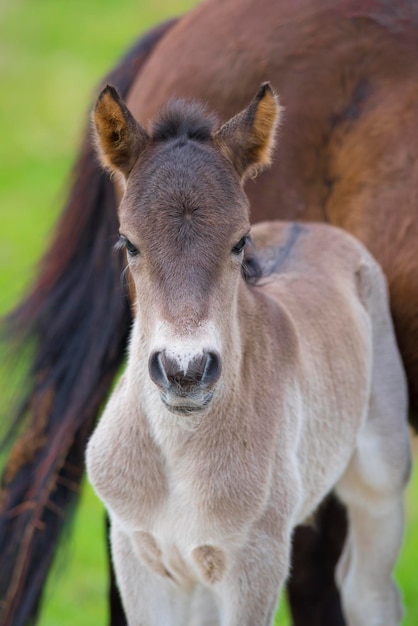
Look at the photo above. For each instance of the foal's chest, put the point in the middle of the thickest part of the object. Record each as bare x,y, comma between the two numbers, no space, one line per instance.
190,531
181,538
180,543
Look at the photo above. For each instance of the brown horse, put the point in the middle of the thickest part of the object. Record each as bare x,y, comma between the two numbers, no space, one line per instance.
346,72
244,402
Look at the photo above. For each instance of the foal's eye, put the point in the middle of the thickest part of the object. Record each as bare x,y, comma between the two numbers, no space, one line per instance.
124,242
239,247
132,250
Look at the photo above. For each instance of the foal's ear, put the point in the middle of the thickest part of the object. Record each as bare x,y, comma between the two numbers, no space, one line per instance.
119,137
247,139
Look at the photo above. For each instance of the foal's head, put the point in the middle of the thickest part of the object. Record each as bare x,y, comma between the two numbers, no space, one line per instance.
184,221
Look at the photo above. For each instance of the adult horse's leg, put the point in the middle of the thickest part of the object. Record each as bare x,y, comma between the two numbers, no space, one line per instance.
78,320
312,592
117,614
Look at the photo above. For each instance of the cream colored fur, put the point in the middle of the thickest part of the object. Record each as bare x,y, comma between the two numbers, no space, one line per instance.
311,398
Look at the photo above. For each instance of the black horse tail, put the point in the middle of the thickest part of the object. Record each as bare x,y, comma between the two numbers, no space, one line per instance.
76,319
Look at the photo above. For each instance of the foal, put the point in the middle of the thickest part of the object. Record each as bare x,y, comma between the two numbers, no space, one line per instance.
255,384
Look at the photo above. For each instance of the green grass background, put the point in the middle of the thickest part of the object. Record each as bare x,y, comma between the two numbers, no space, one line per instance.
52,54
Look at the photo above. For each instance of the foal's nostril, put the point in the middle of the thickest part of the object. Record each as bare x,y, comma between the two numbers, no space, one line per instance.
156,370
212,369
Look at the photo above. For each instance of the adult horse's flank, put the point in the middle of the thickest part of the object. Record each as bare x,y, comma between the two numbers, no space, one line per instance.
346,71
242,406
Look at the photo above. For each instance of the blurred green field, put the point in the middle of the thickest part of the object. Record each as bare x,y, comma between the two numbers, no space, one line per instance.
51,56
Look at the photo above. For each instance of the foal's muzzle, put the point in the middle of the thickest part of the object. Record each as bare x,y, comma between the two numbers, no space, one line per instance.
185,390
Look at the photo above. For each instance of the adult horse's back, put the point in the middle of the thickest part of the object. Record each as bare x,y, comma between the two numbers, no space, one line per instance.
346,73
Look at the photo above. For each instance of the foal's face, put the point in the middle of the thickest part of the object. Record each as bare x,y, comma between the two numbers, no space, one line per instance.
184,223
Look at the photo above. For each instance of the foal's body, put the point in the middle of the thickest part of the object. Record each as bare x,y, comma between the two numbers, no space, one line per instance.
242,405
313,398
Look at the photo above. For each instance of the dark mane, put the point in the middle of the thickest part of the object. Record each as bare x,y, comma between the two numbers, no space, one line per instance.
184,119
259,264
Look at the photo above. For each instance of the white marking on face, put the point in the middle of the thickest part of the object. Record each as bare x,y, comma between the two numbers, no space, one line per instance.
184,348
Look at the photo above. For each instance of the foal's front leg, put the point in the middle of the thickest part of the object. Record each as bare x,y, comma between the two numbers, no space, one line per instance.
250,591
148,599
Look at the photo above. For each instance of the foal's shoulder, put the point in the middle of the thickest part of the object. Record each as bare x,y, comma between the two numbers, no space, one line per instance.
321,255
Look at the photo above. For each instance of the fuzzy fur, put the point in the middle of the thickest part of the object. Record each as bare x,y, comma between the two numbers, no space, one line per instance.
311,398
